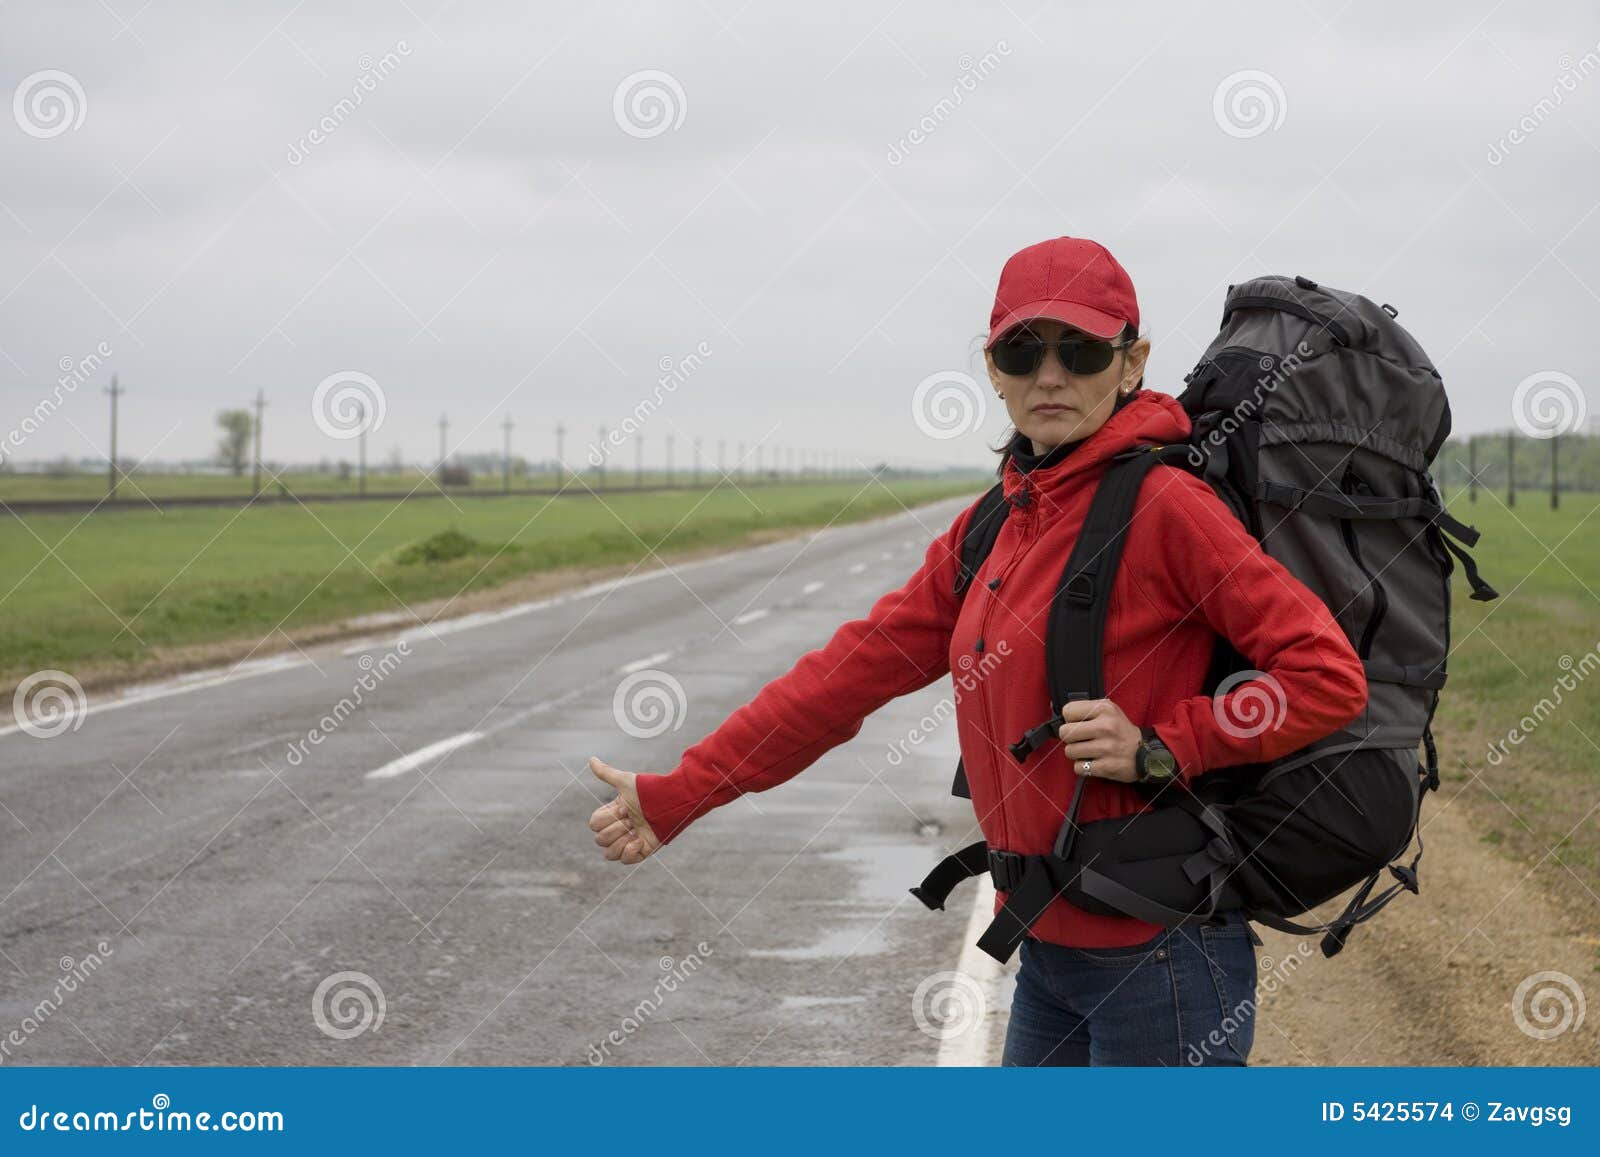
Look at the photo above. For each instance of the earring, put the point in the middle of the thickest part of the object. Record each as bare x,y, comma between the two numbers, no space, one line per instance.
1000,395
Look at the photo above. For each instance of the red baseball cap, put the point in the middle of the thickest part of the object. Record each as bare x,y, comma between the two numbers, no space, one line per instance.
1068,279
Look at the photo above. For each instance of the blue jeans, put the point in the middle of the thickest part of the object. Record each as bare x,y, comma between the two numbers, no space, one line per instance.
1185,997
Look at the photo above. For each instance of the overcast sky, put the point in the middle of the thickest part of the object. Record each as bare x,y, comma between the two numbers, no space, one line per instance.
499,227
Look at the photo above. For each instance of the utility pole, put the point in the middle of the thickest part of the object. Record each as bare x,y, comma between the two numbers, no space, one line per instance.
507,428
444,432
1511,467
255,482
722,457
739,465
116,392
638,460
1555,497
561,461
1472,468
697,461
600,470
361,468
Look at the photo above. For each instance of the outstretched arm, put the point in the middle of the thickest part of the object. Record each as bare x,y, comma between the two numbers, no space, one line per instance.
902,644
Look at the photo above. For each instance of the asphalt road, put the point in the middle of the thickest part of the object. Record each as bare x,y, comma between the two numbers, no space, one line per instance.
185,876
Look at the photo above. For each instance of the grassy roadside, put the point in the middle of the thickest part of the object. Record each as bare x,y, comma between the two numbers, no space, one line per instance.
1519,723
118,592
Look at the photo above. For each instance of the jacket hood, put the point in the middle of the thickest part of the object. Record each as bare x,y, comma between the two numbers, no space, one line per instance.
1148,417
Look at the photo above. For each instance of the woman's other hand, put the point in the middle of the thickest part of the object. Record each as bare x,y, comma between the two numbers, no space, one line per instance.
1096,730
619,826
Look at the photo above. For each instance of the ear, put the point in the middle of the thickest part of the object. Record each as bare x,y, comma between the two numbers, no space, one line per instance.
1133,363
995,379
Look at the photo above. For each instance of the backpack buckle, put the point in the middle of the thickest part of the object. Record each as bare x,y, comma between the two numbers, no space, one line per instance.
1079,589
1006,869
1407,877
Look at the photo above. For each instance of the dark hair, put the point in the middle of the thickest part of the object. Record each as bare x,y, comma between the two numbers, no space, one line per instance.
1014,438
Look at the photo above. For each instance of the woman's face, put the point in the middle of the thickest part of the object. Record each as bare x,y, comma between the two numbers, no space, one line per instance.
1050,405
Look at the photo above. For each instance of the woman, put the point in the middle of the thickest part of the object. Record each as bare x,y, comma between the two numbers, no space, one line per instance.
1063,353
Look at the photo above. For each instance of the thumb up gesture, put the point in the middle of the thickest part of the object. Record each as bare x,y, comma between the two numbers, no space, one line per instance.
619,826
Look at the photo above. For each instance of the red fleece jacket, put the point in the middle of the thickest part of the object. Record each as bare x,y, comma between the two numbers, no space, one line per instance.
1189,572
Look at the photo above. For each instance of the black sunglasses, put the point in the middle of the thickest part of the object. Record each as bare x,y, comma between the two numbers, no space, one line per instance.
1019,354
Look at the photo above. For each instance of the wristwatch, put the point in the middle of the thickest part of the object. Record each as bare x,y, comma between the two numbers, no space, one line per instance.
1154,763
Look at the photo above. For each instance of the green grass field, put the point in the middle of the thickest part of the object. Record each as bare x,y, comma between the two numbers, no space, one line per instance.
1506,670
137,486
110,590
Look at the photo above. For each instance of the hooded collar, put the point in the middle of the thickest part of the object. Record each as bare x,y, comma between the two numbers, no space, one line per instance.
1147,417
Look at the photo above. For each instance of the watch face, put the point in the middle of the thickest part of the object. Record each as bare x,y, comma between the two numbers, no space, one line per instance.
1159,763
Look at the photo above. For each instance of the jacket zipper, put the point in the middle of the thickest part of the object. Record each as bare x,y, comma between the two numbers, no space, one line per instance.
1027,508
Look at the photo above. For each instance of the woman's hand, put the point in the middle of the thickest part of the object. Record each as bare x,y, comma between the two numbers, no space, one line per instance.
1096,730
619,826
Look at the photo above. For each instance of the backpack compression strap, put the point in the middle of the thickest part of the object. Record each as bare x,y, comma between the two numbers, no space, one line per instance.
1074,650
976,544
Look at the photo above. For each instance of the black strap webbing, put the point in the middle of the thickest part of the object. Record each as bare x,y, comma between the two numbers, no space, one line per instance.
982,529
1075,630
935,889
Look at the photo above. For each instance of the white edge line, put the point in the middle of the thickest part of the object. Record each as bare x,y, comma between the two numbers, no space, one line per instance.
970,1049
420,756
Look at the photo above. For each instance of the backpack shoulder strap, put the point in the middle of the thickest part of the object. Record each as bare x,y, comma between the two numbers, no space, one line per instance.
1074,634
982,529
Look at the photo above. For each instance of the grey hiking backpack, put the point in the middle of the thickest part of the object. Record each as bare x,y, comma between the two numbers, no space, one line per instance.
1316,417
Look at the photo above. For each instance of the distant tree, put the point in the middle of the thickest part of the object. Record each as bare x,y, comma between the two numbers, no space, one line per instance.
397,461
233,450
